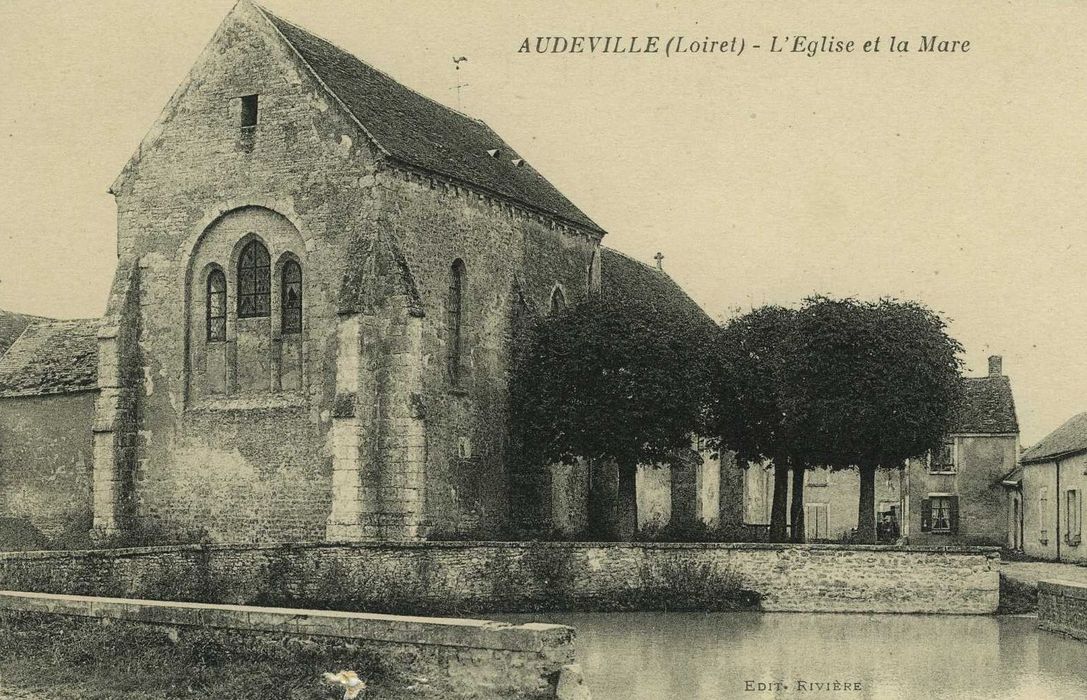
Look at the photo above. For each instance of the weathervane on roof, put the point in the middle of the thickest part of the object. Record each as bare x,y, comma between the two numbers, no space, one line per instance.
457,60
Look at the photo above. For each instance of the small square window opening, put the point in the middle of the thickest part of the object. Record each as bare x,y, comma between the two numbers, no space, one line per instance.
249,111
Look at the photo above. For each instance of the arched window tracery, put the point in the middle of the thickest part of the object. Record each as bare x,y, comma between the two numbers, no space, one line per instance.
216,306
291,298
558,301
254,281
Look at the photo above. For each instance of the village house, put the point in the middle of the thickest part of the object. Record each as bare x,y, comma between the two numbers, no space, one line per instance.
954,496
321,274
1045,518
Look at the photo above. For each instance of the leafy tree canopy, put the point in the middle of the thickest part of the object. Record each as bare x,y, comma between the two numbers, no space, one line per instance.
611,379
752,357
870,383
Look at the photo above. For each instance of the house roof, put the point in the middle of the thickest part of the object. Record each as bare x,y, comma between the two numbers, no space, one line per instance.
624,278
1069,439
988,407
51,357
419,131
11,326
1013,478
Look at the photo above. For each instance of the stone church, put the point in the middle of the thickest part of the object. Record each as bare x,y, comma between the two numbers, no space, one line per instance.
320,275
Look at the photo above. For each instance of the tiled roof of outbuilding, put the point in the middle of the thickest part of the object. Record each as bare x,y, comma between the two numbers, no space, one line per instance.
625,278
988,407
11,325
51,357
1070,438
421,132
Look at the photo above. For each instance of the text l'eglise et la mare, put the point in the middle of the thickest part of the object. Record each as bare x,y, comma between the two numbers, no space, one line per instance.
703,45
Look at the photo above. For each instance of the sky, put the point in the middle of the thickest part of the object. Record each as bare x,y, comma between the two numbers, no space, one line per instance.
954,179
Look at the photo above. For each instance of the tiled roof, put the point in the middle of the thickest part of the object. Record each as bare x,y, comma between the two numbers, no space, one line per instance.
988,407
625,278
51,357
1068,439
421,132
11,325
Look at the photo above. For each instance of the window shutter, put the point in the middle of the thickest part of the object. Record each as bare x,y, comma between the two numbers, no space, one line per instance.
953,507
926,515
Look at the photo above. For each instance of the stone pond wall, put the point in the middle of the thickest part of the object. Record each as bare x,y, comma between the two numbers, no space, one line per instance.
1062,607
463,658
451,578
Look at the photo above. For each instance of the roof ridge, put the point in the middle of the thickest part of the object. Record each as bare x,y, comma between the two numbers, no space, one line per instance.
1026,456
431,141
339,48
636,260
313,71
4,351
660,271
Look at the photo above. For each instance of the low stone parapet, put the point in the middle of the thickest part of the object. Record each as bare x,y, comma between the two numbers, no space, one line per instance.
1062,607
456,578
471,658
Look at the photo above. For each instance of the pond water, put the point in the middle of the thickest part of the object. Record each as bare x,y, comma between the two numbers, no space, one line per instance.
709,656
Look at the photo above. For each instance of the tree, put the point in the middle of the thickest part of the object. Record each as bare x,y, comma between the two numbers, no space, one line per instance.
753,354
870,384
613,382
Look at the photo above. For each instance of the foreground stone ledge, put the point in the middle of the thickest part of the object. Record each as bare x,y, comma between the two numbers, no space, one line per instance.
471,656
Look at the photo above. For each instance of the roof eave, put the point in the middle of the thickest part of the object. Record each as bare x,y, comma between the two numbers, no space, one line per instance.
1055,457
590,227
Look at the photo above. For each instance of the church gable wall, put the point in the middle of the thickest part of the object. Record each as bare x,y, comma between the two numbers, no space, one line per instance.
221,452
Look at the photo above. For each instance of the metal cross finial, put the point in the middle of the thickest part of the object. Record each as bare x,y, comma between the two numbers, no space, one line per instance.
659,257
457,60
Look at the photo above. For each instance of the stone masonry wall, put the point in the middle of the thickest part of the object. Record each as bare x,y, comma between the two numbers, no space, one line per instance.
451,578
218,455
1062,607
508,256
46,453
245,465
463,658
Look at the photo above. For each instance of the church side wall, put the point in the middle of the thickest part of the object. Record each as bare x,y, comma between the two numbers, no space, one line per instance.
45,462
503,250
252,464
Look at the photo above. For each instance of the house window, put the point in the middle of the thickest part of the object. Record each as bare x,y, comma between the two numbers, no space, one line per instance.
942,461
558,301
254,284
1073,517
818,477
249,112
940,513
1043,514
456,321
216,306
291,298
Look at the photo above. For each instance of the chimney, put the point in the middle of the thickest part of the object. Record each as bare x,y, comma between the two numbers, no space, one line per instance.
996,366
659,257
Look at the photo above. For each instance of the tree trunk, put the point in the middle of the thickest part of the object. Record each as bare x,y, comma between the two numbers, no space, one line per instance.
628,502
797,508
778,526
602,518
866,507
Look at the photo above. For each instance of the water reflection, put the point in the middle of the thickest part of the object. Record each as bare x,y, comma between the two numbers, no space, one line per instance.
630,656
